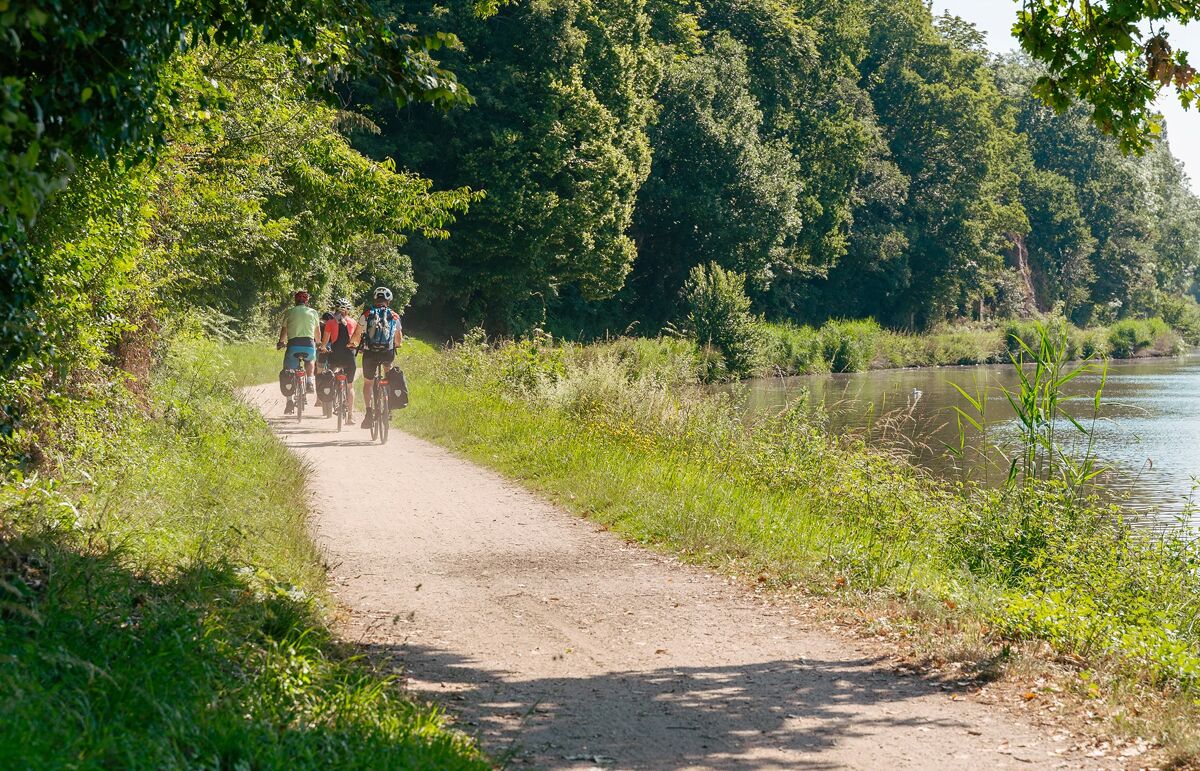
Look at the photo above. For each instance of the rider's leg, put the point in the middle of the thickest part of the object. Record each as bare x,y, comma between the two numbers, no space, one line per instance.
367,403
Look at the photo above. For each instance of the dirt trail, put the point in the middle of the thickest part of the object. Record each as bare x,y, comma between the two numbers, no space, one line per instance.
567,648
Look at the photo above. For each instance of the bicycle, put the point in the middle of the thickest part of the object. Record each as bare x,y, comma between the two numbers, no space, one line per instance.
381,411
301,397
339,404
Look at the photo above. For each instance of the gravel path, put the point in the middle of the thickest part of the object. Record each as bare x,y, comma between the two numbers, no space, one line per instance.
561,646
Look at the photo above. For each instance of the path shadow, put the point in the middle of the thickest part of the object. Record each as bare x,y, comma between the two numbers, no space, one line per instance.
767,715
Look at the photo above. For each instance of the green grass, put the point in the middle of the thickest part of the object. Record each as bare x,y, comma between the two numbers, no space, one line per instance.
162,606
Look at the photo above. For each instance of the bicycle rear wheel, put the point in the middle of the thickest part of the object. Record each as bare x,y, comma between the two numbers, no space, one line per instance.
379,428
301,398
339,404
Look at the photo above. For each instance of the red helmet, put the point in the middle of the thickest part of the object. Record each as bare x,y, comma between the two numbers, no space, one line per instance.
301,296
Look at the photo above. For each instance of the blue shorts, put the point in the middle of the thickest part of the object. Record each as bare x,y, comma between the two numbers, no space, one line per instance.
289,356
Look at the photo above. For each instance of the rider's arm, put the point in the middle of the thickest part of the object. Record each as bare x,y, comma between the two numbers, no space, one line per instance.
356,338
283,333
399,334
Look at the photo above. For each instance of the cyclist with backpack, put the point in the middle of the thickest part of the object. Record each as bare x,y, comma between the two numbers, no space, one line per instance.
337,334
378,334
299,334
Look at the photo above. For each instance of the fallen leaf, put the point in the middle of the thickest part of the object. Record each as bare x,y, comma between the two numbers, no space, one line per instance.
1029,696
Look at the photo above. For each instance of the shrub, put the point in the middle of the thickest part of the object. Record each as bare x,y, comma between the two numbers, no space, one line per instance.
1093,343
793,350
1183,315
1131,337
849,346
719,317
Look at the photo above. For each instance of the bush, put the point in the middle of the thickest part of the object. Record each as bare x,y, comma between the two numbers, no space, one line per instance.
849,346
719,318
1029,330
1134,337
1183,315
793,350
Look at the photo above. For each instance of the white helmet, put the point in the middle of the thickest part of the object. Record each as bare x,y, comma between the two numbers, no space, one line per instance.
382,291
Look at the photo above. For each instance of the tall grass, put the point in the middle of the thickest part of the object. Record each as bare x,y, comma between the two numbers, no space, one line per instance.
161,603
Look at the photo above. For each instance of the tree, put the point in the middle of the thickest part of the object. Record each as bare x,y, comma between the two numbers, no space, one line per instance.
1098,53
267,194
719,191
558,139
953,137
86,80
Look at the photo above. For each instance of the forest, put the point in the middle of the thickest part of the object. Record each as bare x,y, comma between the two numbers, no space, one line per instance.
566,165
849,159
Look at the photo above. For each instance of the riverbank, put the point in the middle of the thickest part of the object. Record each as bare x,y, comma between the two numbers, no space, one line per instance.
987,581
162,603
856,346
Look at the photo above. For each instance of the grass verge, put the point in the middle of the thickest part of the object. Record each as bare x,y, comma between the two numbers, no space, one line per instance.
161,602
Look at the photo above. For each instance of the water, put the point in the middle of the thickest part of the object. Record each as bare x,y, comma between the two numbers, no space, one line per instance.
1147,435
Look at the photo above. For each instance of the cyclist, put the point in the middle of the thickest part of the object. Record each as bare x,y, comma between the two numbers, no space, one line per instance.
336,335
378,334
299,334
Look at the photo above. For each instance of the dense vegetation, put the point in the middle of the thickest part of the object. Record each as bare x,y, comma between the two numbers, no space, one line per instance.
169,168
163,605
850,159
727,172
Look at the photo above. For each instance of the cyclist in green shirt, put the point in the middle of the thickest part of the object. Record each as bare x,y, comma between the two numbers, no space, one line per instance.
299,334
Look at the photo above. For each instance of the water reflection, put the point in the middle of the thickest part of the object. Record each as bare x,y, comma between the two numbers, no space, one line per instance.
1148,431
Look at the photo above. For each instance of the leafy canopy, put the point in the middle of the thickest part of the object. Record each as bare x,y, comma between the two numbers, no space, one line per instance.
1115,56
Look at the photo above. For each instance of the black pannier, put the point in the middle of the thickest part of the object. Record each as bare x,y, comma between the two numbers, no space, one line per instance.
325,384
287,382
397,389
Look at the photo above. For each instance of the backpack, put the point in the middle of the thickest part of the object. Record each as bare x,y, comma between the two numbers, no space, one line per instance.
381,329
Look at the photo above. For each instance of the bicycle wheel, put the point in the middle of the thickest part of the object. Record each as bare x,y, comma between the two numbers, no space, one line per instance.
339,404
381,413
301,398
374,419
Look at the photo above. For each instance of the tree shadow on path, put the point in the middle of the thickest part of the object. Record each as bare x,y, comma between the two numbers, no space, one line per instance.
769,715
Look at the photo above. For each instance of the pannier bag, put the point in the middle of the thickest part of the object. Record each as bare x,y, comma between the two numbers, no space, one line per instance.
325,384
397,389
287,382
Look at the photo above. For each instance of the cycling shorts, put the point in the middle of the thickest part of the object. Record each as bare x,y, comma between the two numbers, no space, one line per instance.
344,358
297,345
373,359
